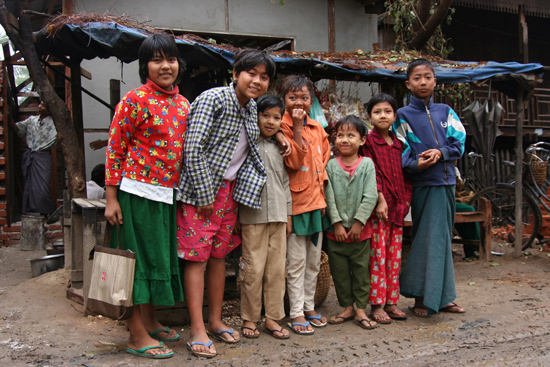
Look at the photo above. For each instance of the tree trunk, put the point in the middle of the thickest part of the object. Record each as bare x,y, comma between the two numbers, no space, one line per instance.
72,152
429,26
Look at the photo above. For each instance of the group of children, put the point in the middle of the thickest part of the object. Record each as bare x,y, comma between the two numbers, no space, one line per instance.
186,177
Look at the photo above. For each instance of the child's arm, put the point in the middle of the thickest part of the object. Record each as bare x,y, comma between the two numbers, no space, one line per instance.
332,211
199,125
298,151
370,194
286,185
382,207
288,225
409,160
456,138
112,208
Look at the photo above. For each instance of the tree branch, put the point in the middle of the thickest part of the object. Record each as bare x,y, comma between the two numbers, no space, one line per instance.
424,34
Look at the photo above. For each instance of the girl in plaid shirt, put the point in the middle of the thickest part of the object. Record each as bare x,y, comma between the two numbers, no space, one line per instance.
394,197
221,167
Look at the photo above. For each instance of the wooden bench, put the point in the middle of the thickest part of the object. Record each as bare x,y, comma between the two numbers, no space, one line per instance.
484,217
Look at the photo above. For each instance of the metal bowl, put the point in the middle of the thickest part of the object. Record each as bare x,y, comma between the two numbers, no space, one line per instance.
44,264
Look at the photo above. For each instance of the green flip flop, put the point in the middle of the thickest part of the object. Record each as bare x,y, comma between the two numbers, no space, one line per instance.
141,352
154,335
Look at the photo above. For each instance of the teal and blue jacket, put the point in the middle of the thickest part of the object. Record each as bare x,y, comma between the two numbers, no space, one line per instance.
435,126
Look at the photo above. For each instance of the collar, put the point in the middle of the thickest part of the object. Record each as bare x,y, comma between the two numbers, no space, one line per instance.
378,139
419,103
154,87
271,139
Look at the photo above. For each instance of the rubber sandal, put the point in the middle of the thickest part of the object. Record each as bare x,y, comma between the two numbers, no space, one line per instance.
337,319
200,354
273,331
451,305
141,352
306,324
253,336
396,316
154,335
360,323
413,310
318,317
218,336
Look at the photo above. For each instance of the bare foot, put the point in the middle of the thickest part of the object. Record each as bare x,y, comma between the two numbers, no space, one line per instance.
362,320
249,330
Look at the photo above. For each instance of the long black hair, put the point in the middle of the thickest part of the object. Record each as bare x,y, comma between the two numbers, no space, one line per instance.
158,43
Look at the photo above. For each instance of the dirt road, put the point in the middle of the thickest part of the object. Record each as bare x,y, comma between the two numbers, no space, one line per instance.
507,324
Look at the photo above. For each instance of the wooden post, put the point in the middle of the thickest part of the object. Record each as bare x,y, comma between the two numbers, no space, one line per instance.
331,33
114,92
518,243
76,103
331,27
523,35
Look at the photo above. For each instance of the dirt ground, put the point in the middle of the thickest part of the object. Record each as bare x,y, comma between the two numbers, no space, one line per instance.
507,323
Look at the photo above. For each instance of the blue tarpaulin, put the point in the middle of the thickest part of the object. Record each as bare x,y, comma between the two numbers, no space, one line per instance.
109,39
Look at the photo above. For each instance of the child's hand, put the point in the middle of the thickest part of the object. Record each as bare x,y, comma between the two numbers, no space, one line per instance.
283,143
298,116
355,231
206,210
428,158
113,213
340,232
288,226
382,210
424,164
237,229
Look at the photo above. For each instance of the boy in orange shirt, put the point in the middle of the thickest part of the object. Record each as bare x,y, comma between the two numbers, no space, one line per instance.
306,170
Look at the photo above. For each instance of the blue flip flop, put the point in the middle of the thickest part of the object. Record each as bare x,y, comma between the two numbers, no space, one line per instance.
154,335
318,317
218,336
306,324
200,354
141,352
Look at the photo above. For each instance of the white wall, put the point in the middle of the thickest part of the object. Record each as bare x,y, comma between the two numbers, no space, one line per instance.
306,21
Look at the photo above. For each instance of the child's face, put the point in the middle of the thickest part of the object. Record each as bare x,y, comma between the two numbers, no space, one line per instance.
421,82
251,84
382,116
348,140
163,71
298,99
269,121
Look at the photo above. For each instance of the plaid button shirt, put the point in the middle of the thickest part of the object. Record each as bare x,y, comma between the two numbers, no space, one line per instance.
213,129
390,179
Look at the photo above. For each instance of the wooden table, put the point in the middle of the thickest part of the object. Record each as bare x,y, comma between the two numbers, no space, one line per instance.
484,217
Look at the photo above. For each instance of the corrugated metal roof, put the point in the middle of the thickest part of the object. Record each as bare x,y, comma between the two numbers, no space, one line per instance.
536,8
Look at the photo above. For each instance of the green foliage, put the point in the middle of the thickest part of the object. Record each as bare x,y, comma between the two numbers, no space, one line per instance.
457,93
281,2
404,14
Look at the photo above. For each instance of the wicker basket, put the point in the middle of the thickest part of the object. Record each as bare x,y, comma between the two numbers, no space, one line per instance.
538,170
323,284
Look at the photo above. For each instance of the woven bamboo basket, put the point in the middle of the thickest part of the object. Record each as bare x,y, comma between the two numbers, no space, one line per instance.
539,170
323,284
